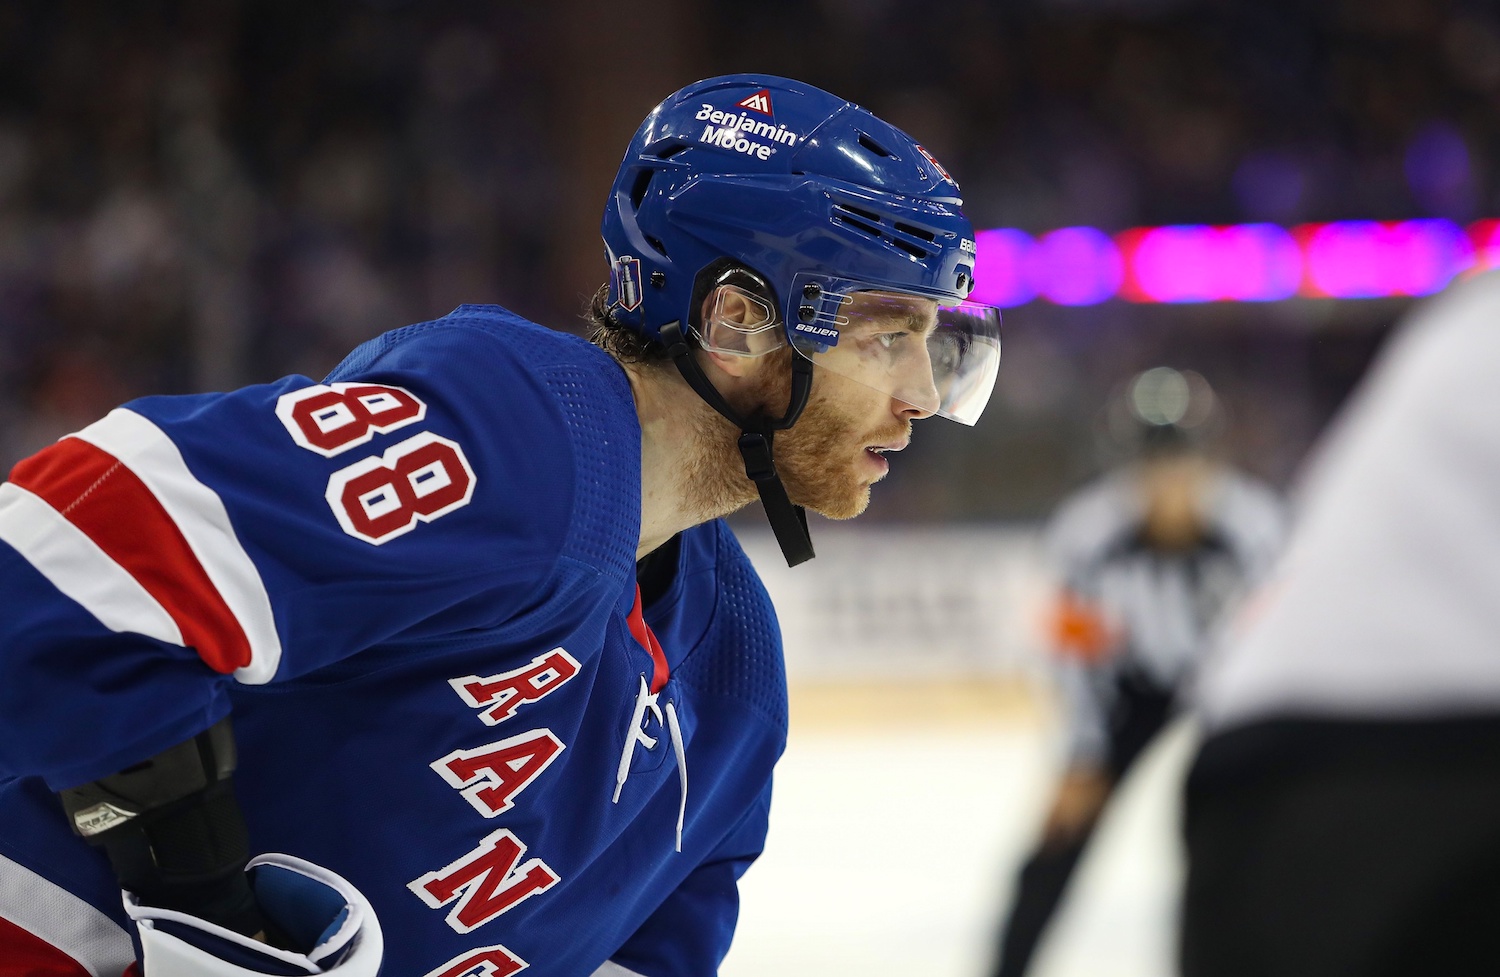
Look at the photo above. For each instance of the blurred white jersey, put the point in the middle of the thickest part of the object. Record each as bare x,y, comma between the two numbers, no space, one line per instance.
1387,602
1159,607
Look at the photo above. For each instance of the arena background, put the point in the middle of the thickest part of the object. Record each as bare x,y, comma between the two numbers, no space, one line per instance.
195,195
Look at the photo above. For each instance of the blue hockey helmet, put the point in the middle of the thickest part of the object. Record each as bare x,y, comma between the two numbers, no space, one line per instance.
822,201
852,236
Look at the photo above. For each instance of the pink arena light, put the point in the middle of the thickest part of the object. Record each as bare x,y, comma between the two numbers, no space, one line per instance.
1235,263
1366,259
1000,262
1485,236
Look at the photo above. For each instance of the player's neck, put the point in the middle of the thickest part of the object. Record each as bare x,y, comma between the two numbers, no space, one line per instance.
691,471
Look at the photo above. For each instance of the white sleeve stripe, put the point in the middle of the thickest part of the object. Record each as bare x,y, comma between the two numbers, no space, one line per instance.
55,915
76,566
200,515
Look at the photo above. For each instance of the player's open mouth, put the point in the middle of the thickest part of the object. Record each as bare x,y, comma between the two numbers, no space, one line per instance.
876,453
880,449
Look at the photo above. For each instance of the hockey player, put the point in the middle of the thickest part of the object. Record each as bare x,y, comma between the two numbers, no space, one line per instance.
1342,816
468,601
1147,559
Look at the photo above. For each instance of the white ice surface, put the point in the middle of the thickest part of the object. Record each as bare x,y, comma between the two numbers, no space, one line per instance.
893,851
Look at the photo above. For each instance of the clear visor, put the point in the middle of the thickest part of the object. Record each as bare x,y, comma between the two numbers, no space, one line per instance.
940,359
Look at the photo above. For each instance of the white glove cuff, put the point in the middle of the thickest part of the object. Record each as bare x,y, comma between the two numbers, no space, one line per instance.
175,944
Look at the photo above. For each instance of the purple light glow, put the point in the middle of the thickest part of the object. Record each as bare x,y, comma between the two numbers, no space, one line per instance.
1000,262
1439,171
1195,263
1238,263
1366,259
1075,266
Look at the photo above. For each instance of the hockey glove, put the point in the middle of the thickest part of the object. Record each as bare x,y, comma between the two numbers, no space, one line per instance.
329,923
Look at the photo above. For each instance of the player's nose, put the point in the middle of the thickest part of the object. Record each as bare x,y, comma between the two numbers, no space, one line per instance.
916,396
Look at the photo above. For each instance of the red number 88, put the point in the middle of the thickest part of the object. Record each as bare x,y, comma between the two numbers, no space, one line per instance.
379,498
331,419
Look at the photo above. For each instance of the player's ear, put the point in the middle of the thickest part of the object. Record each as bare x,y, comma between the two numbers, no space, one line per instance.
739,327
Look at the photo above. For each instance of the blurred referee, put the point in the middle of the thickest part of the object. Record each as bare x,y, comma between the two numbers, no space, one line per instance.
1343,813
1147,558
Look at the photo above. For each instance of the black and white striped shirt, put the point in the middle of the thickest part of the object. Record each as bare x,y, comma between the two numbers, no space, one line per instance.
1157,607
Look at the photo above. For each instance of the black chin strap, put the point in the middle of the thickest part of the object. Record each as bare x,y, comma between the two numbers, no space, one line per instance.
788,521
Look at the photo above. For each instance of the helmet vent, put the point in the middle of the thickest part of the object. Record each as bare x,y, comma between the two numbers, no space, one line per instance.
860,220
638,188
917,232
915,241
671,151
655,242
875,147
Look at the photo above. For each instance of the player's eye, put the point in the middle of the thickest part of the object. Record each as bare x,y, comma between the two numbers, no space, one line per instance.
947,350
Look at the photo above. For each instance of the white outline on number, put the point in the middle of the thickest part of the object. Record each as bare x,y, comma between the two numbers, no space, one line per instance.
340,479
287,403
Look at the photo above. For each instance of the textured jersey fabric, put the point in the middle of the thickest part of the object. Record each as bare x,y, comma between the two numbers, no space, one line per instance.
1159,607
413,587
1387,604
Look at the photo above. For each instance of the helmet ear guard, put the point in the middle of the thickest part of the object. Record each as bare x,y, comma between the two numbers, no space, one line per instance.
739,323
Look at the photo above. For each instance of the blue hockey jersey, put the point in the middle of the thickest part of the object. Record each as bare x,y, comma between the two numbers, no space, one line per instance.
413,586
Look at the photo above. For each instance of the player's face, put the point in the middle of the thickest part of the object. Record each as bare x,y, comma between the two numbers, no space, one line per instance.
883,343
833,454
1173,491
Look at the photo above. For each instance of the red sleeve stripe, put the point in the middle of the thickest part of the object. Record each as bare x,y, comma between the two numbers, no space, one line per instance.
47,931
98,495
76,566
199,514
172,534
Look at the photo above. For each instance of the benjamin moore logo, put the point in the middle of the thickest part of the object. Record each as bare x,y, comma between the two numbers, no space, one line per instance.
742,132
759,102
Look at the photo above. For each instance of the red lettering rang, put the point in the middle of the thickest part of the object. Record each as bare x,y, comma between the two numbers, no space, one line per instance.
489,961
487,882
491,776
508,691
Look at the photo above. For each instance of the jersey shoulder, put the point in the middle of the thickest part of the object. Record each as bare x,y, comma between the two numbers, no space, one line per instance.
549,405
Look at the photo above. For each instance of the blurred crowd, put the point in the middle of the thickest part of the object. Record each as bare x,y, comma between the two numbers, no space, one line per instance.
195,195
